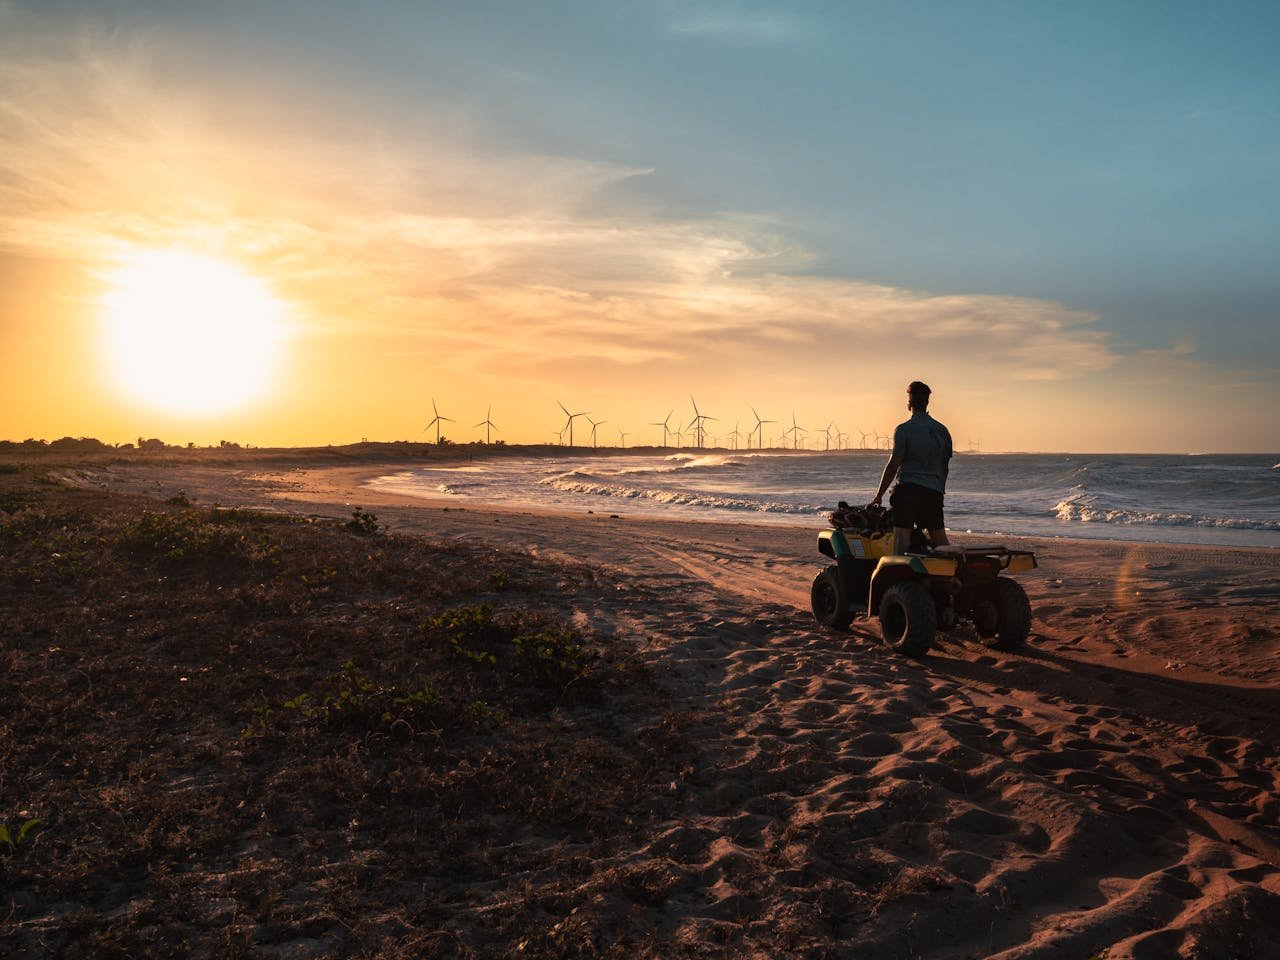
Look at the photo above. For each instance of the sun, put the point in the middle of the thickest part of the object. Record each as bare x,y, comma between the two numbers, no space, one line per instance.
189,333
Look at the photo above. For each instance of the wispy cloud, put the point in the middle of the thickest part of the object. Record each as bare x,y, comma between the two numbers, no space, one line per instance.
732,22
414,242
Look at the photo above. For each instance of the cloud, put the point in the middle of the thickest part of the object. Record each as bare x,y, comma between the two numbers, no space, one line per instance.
419,241
731,22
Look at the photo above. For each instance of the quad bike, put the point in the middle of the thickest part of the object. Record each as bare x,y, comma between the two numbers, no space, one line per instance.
917,593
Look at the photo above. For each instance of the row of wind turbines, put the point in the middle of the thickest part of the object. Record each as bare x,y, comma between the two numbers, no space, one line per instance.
833,437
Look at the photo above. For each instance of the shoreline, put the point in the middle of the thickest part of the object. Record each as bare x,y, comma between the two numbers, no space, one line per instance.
348,485
365,462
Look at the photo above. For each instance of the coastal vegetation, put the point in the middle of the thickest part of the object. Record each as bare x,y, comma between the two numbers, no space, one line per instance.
225,730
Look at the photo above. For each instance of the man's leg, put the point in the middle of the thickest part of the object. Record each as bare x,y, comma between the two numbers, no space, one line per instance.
901,539
938,537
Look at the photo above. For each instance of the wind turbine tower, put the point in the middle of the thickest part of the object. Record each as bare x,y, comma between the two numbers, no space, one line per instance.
594,425
736,434
795,431
436,421
488,424
698,429
569,422
663,425
759,429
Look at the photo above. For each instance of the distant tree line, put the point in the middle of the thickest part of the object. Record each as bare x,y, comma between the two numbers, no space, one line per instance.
90,445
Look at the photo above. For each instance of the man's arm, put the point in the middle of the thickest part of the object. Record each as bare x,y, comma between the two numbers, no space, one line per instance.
890,471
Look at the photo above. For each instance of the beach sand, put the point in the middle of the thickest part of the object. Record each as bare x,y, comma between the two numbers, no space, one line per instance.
1111,791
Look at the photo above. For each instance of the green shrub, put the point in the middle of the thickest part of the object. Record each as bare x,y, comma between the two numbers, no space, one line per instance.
189,539
13,841
177,539
354,701
362,521
471,632
552,656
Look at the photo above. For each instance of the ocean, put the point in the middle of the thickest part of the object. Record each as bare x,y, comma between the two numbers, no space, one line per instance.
1206,499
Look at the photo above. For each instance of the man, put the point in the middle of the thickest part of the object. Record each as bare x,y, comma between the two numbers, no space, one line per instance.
921,457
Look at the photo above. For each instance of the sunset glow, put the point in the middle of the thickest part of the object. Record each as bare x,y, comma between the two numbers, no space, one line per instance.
187,333
504,211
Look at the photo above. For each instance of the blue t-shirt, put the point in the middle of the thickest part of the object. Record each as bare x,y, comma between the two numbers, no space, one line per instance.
925,448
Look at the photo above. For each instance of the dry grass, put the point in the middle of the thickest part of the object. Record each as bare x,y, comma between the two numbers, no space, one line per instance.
244,735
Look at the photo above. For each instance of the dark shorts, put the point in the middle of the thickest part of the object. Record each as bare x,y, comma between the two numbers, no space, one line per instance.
914,505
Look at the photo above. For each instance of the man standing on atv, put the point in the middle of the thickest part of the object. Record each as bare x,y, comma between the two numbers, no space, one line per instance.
921,457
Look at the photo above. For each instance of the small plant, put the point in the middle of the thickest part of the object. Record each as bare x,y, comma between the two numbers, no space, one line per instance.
260,725
470,632
362,521
15,840
320,581
356,701
178,539
483,715
498,580
551,656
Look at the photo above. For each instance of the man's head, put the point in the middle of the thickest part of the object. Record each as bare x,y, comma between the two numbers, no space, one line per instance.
918,395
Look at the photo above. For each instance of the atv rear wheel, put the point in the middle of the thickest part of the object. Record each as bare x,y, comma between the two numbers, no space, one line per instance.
830,605
1013,614
908,618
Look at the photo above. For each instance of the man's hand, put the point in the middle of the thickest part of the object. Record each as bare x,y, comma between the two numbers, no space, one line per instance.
890,471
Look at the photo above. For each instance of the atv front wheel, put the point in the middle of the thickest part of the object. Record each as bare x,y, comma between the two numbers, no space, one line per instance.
908,618
830,605
1013,614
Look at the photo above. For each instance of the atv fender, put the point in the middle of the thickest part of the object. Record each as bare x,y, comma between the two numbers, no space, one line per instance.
898,567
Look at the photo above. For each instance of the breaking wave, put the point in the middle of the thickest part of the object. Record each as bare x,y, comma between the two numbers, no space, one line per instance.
1084,508
680,461
594,486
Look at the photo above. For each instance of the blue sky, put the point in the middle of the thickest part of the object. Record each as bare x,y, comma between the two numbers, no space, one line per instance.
1113,162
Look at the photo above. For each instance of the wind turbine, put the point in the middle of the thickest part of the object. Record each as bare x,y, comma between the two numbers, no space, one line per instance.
594,424
839,436
487,424
622,438
758,428
827,433
569,422
679,438
698,417
862,444
794,430
663,425
736,433
436,421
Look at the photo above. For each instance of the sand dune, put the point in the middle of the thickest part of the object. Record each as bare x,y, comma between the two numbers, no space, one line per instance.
1110,792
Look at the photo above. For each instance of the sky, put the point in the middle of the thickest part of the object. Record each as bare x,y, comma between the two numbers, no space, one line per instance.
1064,217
